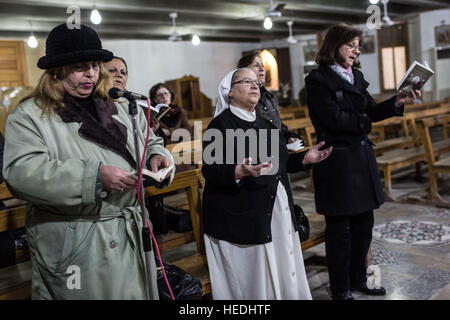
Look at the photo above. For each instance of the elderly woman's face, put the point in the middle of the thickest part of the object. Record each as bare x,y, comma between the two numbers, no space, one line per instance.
258,68
118,72
244,93
82,78
163,95
349,52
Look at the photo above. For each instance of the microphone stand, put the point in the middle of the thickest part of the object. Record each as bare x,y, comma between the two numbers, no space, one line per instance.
146,237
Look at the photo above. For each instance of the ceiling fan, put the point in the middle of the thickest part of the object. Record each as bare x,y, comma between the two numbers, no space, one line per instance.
291,38
274,11
386,20
174,36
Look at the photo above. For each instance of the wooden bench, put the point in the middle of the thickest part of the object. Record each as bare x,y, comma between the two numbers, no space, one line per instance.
204,121
435,166
15,281
390,127
299,112
404,141
396,159
302,126
287,116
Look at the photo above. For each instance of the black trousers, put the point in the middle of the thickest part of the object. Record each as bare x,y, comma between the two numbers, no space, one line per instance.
347,242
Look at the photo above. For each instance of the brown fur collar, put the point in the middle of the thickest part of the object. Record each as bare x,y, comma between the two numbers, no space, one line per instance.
106,131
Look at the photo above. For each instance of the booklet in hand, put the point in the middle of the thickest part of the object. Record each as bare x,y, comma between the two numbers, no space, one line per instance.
414,78
296,145
160,110
150,178
156,112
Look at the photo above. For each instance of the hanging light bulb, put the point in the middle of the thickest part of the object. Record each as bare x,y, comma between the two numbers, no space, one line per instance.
374,1
96,18
32,41
267,23
195,40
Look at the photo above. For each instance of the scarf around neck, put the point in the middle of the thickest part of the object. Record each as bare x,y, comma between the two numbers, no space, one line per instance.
346,74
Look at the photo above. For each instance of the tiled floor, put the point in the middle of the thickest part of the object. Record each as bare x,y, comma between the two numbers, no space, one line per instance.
413,257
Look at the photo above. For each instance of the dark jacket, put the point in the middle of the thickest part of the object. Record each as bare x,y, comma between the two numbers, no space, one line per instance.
268,108
348,182
242,212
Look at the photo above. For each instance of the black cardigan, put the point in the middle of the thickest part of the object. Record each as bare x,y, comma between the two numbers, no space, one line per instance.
242,212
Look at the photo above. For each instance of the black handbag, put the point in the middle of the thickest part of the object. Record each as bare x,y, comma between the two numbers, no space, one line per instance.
302,223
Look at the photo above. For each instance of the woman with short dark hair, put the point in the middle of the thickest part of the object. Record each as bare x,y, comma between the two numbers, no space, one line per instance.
347,184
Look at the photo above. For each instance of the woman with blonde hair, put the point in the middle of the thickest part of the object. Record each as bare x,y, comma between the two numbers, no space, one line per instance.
68,151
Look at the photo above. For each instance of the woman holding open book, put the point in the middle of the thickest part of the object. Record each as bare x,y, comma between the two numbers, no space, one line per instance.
68,151
175,118
347,185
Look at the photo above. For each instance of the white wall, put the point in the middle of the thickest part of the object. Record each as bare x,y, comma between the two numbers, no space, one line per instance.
441,81
369,64
150,62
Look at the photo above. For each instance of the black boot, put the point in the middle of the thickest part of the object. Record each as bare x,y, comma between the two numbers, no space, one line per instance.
364,289
345,295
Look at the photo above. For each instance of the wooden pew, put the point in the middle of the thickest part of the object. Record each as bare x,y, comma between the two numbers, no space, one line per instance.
299,112
205,122
422,106
404,141
287,116
400,158
435,166
303,126
390,127
15,281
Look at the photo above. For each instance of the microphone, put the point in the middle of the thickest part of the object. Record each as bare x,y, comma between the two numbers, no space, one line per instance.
116,93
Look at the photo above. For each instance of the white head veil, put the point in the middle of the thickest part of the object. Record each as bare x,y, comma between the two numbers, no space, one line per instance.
224,88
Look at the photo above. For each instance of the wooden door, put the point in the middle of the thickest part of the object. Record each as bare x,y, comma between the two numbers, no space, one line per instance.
13,71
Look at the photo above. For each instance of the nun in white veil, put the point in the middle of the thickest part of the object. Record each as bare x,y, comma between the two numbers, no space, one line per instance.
252,254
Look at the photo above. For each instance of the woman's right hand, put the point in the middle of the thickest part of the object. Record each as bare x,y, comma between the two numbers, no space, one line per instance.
115,178
247,169
154,124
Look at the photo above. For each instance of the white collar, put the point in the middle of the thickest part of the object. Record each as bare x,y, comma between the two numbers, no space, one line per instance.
243,114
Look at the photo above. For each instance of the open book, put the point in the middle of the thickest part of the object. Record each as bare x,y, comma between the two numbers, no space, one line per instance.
156,112
414,78
161,109
296,145
151,178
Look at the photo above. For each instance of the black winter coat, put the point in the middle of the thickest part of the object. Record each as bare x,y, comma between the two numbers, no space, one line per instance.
348,182
242,212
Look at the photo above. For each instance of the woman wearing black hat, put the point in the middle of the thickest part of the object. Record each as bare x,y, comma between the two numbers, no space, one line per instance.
68,150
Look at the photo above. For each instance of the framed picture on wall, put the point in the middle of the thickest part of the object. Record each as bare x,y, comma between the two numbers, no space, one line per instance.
309,51
368,44
442,35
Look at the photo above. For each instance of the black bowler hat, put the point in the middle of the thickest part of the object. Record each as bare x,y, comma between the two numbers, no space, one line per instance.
67,46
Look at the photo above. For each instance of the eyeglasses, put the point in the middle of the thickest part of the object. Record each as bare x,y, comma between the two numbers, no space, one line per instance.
258,65
248,82
353,47
162,94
